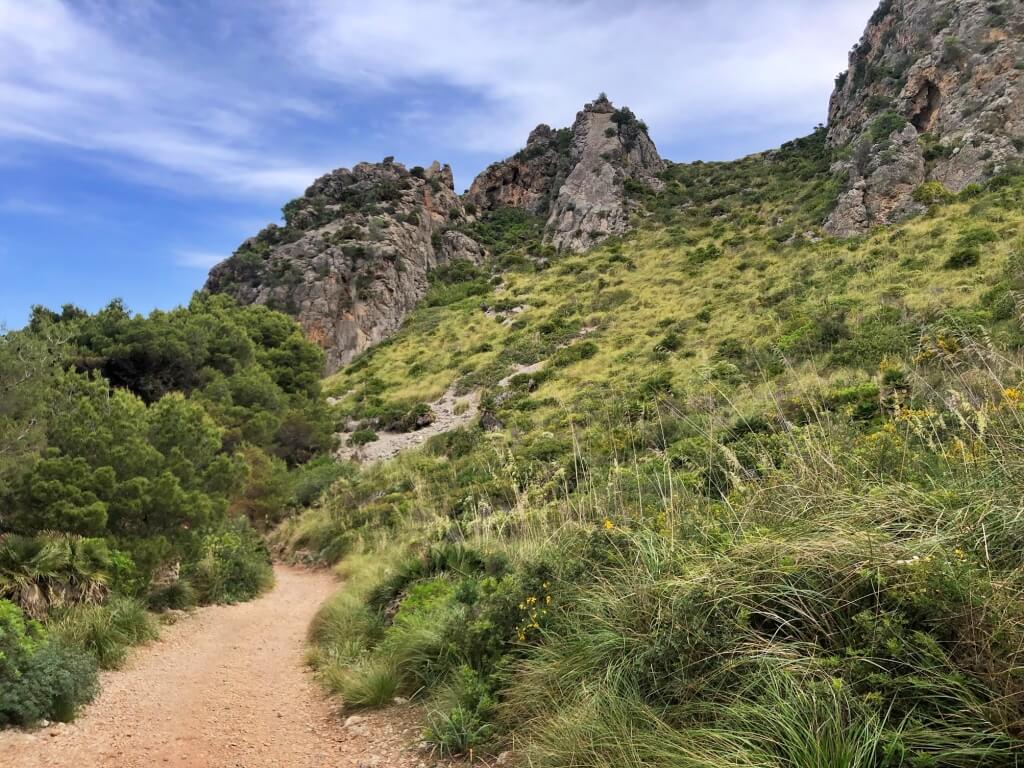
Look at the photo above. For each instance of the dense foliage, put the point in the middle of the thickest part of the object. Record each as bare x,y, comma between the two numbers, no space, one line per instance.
744,495
138,456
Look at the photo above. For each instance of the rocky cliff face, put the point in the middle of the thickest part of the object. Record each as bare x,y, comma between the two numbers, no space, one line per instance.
934,92
352,259
529,178
577,178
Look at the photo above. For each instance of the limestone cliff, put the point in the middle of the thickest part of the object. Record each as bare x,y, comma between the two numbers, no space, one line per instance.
934,92
576,178
352,259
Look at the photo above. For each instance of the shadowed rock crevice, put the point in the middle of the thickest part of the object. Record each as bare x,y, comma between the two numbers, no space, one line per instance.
925,105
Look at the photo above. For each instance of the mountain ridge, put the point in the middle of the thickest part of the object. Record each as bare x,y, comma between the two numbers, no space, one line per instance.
934,95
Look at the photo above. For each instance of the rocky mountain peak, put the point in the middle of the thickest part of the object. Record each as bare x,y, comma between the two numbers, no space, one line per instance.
602,104
934,92
352,258
576,177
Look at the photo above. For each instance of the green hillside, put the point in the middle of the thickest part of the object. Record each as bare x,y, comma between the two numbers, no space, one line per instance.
755,502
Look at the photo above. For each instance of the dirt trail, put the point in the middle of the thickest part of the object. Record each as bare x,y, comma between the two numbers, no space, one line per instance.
450,412
223,687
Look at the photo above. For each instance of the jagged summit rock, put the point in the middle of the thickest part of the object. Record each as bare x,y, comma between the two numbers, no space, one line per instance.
934,92
577,178
352,259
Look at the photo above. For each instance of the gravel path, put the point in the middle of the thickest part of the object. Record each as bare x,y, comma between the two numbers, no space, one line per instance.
225,686
390,444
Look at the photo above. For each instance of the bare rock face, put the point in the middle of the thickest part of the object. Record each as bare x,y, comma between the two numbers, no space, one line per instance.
934,92
527,179
352,259
577,178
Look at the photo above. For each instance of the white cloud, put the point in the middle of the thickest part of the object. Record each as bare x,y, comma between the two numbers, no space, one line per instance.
198,259
680,65
129,85
67,81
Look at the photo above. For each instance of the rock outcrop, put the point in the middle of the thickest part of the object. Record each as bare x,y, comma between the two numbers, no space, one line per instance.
578,178
934,92
528,179
352,259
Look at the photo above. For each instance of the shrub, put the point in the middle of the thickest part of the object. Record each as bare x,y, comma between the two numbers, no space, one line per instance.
52,569
41,677
234,565
176,596
583,350
455,282
457,731
963,257
886,124
312,479
932,193
362,437
705,253
366,683
462,717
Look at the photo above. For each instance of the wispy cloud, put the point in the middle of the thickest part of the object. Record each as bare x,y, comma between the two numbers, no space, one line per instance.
67,80
25,207
727,65
242,100
198,259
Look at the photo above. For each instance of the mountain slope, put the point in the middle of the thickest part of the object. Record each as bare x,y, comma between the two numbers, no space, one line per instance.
743,475
351,260
741,492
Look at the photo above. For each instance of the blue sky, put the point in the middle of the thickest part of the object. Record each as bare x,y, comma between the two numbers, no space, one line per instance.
143,140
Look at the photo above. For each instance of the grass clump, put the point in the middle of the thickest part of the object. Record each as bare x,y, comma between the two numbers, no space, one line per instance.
107,631
234,567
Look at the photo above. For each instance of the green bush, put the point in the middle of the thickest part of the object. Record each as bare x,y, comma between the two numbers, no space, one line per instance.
312,479
885,125
455,282
41,677
234,565
574,353
462,718
362,437
932,193
363,684
176,596
963,257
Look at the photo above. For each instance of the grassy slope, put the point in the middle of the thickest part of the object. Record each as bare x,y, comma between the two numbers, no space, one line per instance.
634,292
764,513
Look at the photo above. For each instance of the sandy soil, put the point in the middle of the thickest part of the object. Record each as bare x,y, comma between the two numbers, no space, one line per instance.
225,686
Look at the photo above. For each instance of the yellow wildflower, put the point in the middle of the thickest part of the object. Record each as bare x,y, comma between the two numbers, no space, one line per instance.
608,524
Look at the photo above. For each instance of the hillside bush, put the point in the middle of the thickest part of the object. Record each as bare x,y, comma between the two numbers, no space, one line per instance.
233,565
41,678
